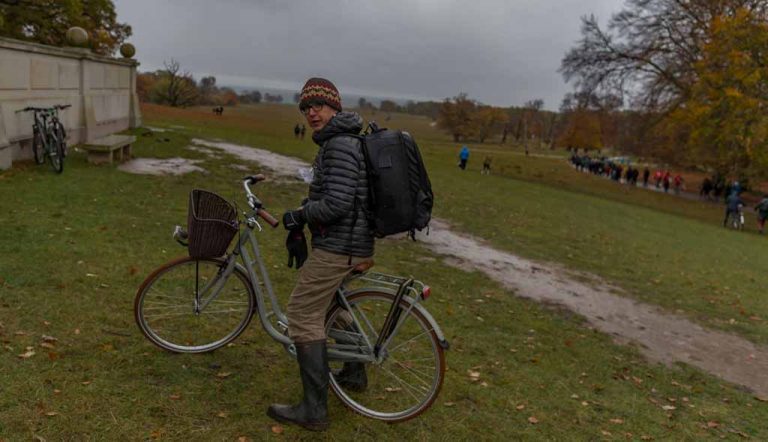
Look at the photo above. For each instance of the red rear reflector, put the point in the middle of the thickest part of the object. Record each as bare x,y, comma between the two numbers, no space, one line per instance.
426,292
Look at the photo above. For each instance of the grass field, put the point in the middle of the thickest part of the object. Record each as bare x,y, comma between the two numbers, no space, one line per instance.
75,247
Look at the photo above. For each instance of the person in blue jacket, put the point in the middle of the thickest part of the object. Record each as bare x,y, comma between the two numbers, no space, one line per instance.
463,157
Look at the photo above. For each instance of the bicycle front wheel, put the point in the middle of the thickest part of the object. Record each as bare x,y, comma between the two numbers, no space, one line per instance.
407,377
56,154
173,311
37,147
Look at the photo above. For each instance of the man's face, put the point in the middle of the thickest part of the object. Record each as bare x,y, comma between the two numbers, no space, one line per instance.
318,115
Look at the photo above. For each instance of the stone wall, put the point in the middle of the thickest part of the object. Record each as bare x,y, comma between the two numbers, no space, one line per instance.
101,90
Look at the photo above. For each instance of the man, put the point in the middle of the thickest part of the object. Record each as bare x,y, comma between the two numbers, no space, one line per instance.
762,213
463,157
733,205
341,240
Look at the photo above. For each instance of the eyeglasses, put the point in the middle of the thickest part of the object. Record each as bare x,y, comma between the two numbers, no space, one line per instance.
317,107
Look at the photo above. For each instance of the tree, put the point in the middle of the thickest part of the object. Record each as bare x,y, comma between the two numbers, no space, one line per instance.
296,97
176,88
725,122
650,49
389,106
456,117
47,21
488,121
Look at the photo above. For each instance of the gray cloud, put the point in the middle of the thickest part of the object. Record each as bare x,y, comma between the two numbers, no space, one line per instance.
499,52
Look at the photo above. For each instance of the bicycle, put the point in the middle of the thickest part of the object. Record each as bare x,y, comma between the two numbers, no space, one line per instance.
737,219
197,305
49,137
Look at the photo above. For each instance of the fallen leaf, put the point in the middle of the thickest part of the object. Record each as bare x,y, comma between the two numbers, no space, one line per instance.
51,413
617,421
668,407
27,355
47,338
712,424
175,397
86,382
56,391
222,414
584,403
761,398
533,420
606,433
77,331
277,429
449,404
223,374
520,407
473,375
392,389
47,345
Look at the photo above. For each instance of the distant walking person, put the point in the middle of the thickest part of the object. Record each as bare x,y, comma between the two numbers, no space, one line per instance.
733,205
678,183
646,175
762,213
463,157
666,181
486,166
706,188
296,130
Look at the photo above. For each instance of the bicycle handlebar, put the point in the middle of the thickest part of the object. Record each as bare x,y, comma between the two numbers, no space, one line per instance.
255,203
44,109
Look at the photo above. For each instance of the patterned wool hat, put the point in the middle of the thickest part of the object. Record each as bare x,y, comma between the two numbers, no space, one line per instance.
320,90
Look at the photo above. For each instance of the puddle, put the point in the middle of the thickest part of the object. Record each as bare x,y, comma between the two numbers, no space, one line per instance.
156,166
280,164
206,151
156,129
661,336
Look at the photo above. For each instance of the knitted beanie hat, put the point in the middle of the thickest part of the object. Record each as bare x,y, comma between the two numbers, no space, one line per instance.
322,91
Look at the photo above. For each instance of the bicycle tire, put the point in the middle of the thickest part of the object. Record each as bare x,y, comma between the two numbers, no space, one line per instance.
37,147
56,154
61,134
378,392
166,273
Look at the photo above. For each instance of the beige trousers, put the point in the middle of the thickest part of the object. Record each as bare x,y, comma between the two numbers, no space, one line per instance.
319,277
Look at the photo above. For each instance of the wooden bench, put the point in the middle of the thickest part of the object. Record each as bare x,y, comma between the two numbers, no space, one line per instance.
110,148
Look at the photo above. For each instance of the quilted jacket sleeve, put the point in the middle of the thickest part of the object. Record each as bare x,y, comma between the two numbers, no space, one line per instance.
341,168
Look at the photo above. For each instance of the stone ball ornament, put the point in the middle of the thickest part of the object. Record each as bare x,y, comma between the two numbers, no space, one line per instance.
127,50
76,36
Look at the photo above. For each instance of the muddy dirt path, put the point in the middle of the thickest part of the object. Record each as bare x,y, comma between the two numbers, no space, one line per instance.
661,336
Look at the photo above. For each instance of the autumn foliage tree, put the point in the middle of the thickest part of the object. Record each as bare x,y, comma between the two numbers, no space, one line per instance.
457,117
692,72
47,22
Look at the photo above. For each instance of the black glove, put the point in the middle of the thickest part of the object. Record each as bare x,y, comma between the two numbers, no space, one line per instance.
293,220
296,243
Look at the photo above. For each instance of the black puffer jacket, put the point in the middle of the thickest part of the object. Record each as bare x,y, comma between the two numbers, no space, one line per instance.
338,195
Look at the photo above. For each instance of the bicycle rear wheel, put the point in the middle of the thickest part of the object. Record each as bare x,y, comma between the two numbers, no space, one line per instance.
408,377
168,314
56,154
37,147
61,134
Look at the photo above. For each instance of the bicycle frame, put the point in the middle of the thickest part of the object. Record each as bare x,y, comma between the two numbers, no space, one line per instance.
247,249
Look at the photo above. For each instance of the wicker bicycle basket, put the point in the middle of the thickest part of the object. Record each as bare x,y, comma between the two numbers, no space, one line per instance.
211,224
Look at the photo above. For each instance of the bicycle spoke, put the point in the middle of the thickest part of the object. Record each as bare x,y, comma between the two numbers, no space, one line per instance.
405,384
410,340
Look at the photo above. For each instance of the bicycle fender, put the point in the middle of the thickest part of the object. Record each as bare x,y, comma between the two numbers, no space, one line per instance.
438,331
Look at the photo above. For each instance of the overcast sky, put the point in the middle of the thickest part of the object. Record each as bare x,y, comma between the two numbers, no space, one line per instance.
501,52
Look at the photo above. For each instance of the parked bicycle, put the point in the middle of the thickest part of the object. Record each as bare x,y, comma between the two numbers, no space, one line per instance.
49,137
199,303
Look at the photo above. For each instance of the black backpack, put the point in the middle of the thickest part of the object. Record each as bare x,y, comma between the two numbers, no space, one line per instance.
400,193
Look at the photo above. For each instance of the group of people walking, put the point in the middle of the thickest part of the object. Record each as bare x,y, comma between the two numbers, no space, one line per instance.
712,188
662,179
464,159
299,131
